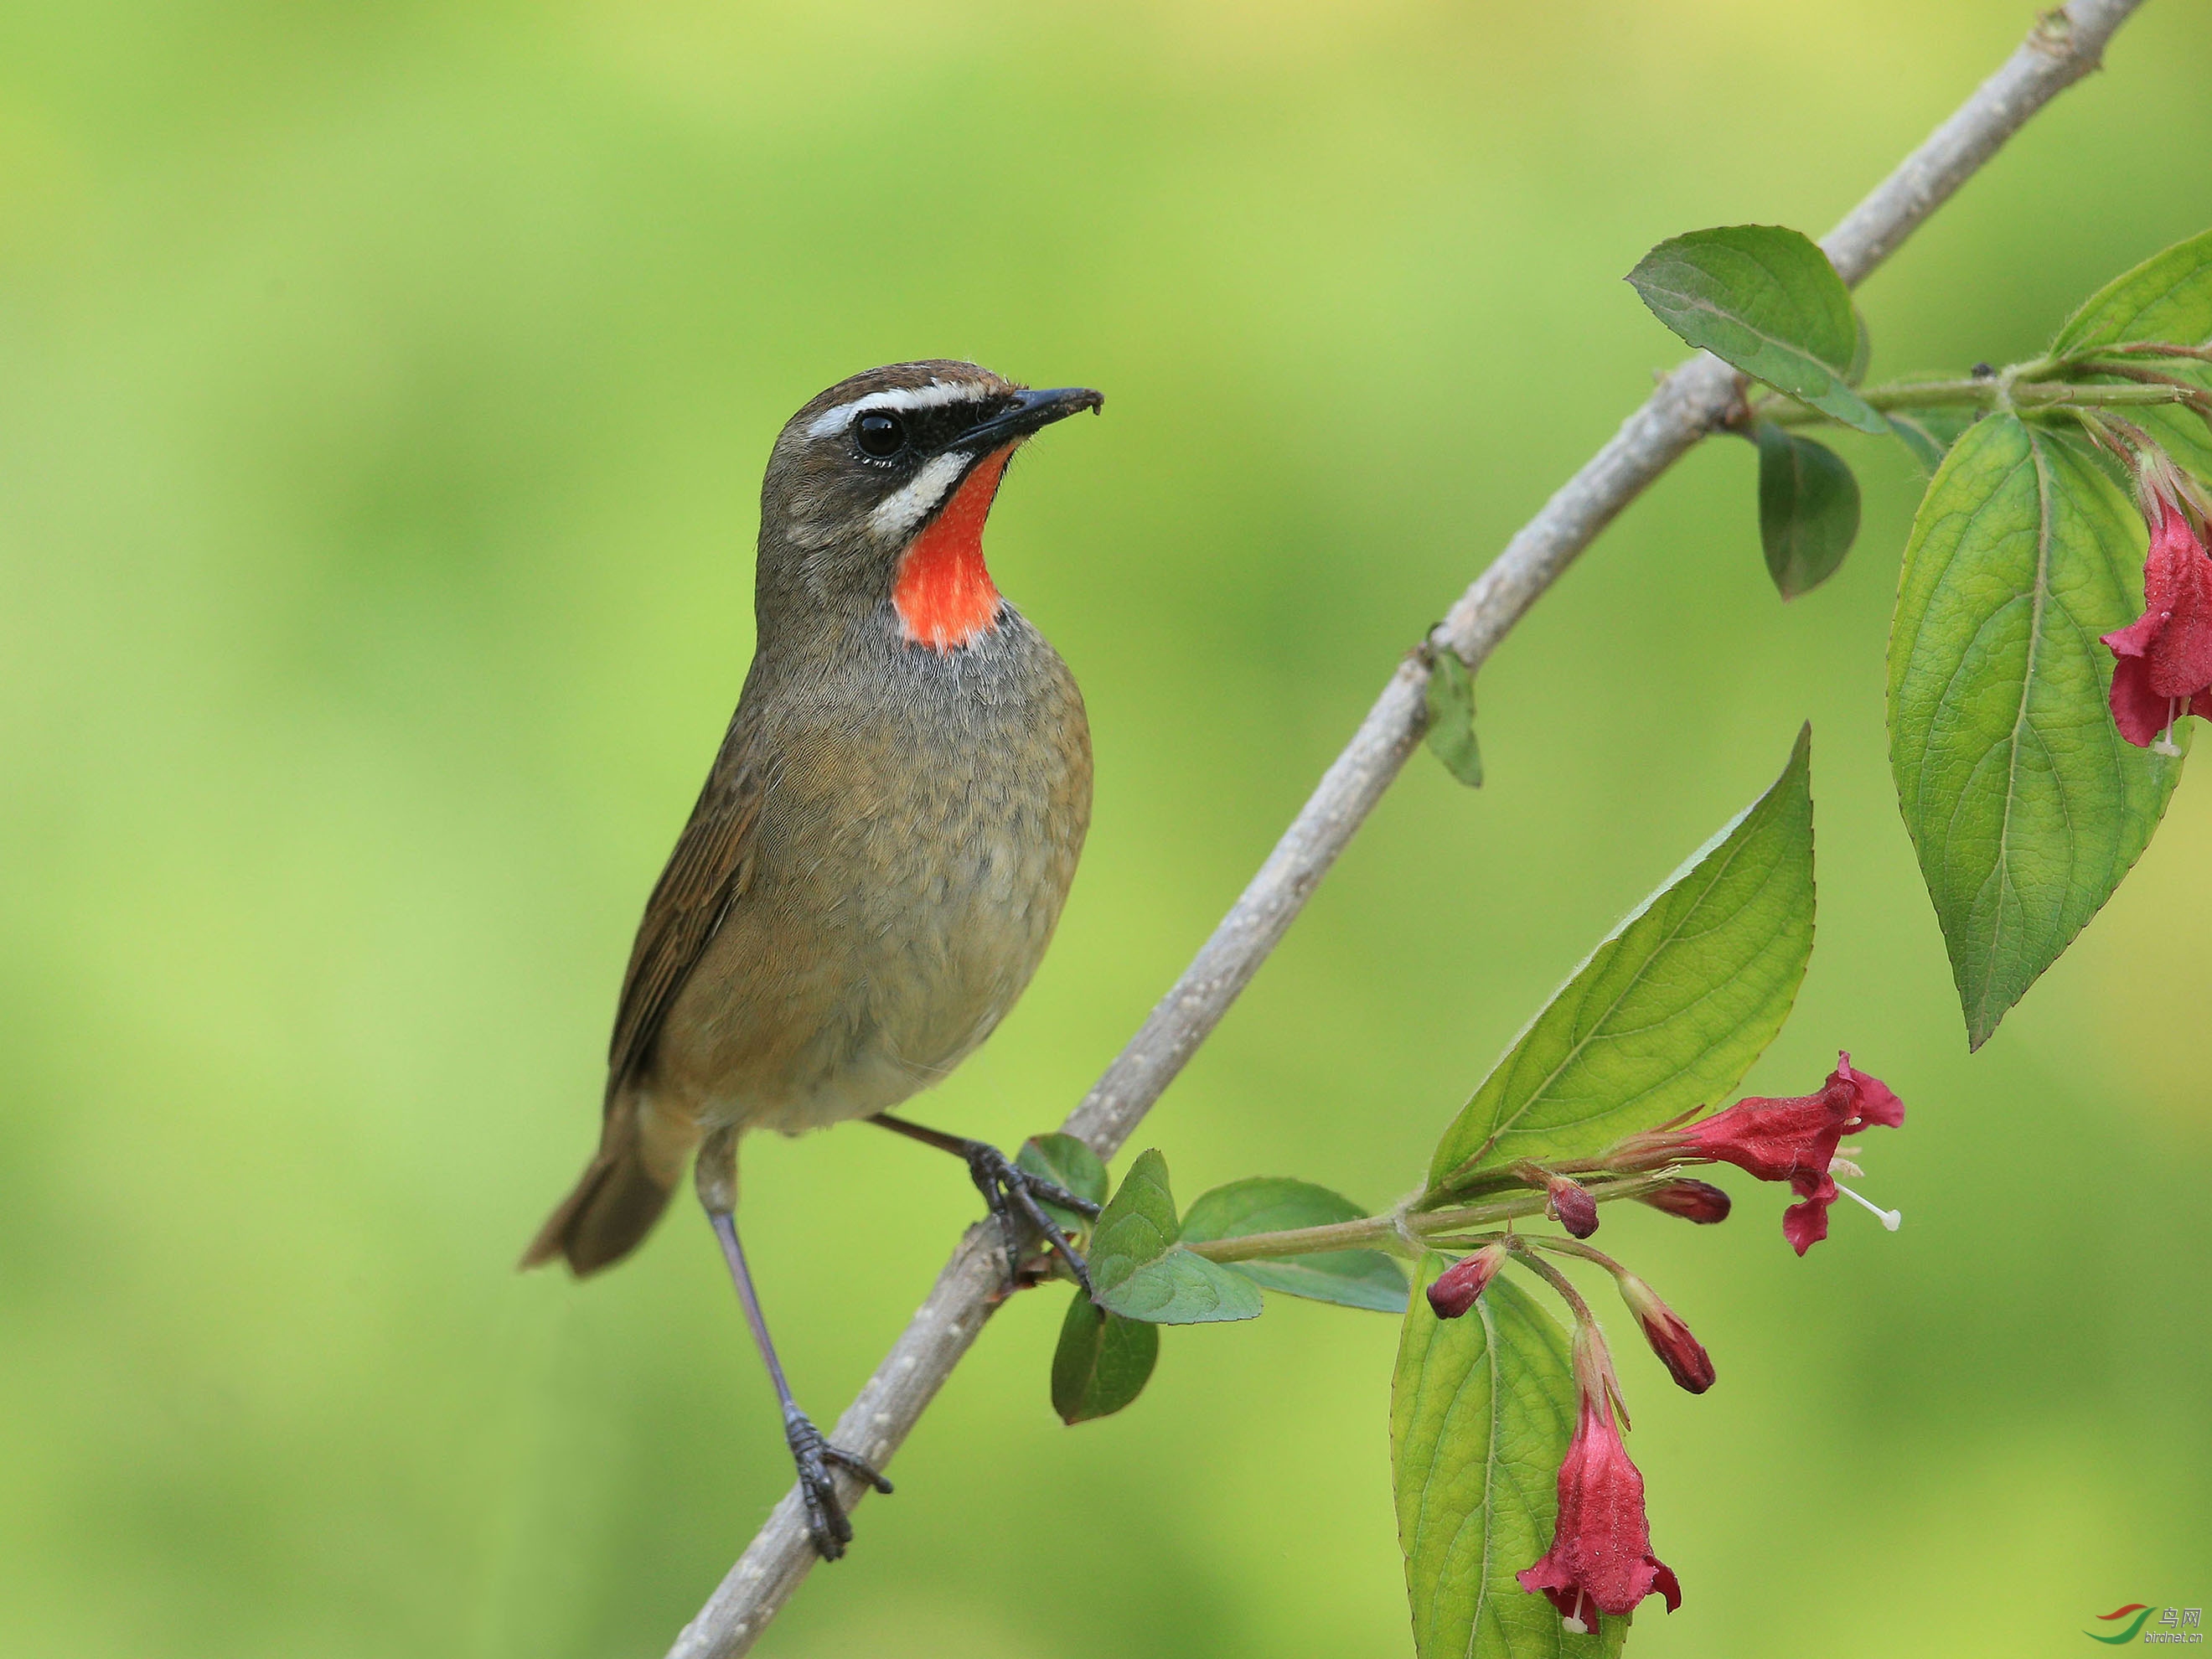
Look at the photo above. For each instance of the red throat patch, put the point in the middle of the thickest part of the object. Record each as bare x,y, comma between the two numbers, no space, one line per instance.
945,598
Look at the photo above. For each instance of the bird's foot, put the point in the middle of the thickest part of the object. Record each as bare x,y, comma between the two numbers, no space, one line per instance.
813,1455
1010,1190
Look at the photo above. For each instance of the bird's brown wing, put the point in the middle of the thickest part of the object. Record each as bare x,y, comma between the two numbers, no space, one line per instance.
705,874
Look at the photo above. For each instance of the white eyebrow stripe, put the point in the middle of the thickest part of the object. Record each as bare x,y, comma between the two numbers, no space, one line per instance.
896,514
935,395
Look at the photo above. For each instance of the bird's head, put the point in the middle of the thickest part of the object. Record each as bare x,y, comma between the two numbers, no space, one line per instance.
878,490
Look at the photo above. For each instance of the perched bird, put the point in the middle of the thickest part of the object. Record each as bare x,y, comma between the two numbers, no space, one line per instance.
881,851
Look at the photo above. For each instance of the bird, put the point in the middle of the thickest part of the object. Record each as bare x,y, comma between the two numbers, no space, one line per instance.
879,855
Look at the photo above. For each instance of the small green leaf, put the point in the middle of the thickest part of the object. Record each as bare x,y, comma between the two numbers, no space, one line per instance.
1103,1362
1140,1272
1267,1204
1670,1010
1766,300
1065,1160
1481,1410
1808,509
1182,1288
2025,804
1451,718
2168,297
1137,1226
1929,434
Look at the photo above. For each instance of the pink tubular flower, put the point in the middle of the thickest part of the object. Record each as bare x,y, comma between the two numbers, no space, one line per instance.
1681,1353
1601,1559
1455,1289
1792,1140
2163,659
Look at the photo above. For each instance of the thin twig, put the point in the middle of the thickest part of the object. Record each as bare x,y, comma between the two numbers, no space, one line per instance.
1692,401
1381,1229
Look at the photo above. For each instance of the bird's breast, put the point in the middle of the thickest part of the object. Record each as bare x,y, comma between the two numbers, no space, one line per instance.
914,853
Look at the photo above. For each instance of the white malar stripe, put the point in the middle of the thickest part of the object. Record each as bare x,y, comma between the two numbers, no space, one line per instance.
935,395
895,515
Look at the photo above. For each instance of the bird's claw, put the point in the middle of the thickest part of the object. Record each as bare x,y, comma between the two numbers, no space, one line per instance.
813,1455
1009,1189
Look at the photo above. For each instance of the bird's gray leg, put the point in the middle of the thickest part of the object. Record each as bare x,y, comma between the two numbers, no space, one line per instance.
716,1175
1007,1187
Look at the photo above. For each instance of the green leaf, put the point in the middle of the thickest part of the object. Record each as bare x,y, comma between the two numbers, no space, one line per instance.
1181,1288
1930,433
1808,509
2168,297
1267,1204
2025,804
1137,1226
1103,1362
1140,1272
1767,300
1670,1010
1451,718
1065,1160
1481,1410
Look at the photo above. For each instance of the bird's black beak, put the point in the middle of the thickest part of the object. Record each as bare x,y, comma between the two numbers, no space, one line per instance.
1029,411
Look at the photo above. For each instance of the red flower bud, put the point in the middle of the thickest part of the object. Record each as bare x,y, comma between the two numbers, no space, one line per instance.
1681,1353
1455,1289
1571,1206
1694,1201
1601,1559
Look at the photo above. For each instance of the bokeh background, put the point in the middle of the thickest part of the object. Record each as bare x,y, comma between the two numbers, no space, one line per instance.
383,394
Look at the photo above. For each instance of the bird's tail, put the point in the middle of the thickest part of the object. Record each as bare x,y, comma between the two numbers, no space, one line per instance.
621,1195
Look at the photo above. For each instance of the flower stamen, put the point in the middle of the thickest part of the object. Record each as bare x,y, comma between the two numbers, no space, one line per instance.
1572,1623
1890,1219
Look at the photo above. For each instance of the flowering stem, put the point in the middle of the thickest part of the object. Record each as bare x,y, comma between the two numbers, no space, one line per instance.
1992,391
1577,1248
2150,349
1369,1231
1525,1251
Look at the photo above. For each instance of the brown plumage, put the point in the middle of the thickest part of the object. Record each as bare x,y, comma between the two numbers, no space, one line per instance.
876,864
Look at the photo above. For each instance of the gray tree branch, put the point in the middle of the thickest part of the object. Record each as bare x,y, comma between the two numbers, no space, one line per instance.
2063,46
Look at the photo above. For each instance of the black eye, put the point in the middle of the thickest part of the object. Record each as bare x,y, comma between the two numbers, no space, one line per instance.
880,435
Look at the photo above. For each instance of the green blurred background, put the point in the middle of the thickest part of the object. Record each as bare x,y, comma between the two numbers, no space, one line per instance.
383,394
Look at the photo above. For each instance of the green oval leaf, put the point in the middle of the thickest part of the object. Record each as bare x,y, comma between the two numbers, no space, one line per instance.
1766,300
1268,1204
1481,1410
1451,718
1103,1362
2168,297
1072,1164
1139,1271
2025,804
1181,1288
1670,1010
1137,1225
1808,509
